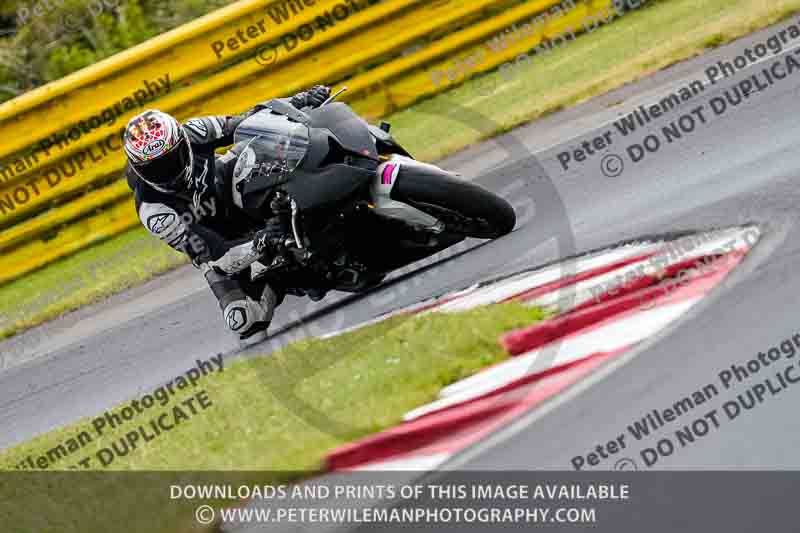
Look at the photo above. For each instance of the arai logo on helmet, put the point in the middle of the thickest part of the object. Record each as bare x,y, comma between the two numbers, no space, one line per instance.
154,147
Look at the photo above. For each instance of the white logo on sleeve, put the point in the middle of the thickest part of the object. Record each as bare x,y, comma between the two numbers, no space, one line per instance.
159,222
236,318
200,186
197,126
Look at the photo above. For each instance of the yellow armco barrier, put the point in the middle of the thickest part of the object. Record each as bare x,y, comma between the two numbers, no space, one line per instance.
36,226
399,84
52,195
183,102
236,89
182,53
34,253
424,73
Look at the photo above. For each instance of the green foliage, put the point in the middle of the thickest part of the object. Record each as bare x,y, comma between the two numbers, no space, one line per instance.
44,40
715,41
278,416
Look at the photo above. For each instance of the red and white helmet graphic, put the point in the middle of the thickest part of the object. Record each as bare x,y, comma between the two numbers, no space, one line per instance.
158,150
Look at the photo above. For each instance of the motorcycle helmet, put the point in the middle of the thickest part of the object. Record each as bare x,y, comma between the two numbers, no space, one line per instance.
158,150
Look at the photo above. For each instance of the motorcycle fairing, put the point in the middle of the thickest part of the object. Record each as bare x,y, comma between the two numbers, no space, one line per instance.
351,131
327,185
386,143
381,190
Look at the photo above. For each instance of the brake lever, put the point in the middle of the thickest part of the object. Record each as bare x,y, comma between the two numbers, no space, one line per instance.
333,97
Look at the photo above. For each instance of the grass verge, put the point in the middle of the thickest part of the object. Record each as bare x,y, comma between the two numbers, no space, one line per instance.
88,276
645,40
278,414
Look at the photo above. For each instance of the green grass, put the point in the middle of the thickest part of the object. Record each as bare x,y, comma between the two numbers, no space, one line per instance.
90,275
283,413
277,414
644,41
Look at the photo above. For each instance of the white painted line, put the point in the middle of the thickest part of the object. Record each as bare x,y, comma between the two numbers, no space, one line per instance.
409,463
566,299
474,296
405,310
53,336
607,338
518,284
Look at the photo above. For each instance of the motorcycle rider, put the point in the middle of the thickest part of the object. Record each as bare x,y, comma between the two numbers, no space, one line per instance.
183,190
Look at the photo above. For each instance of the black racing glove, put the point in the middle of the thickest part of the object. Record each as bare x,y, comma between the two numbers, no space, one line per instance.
270,239
314,97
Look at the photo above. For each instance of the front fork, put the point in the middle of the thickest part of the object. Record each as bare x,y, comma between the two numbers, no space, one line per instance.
295,231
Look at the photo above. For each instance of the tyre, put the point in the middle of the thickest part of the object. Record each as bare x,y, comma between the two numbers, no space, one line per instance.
464,207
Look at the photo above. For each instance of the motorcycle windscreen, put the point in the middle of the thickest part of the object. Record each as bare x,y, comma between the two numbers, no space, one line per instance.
275,145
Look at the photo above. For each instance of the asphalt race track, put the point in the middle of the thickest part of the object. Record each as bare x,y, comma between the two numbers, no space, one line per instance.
741,166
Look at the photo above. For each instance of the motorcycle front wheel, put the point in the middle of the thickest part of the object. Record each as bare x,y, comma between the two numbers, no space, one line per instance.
464,207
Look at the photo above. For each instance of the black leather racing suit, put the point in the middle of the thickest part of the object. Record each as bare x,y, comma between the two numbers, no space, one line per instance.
204,223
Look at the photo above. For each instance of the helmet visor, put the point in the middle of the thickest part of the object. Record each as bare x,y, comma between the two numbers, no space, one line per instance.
169,170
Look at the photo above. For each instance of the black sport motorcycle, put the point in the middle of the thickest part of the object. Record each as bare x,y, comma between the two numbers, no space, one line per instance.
360,205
